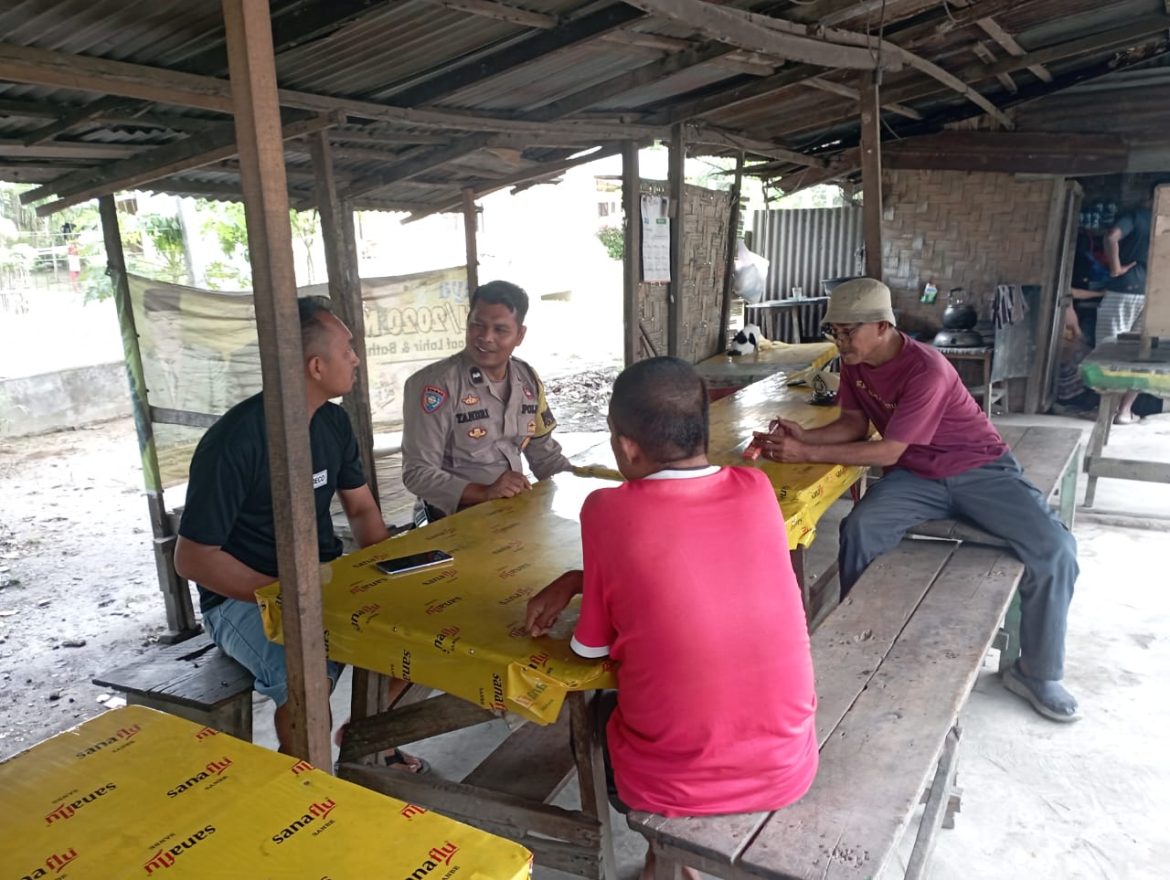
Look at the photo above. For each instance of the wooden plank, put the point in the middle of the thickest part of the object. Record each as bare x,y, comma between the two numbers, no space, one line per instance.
515,55
10,149
871,172
631,250
1009,44
1014,152
533,763
836,88
983,53
876,765
710,135
419,721
194,152
194,673
1157,312
261,148
936,807
725,26
499,813
470,222
718,840
1128,469
677,183
1045,454
732,243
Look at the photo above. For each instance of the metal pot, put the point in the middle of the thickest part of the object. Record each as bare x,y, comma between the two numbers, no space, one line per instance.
959,315
957,339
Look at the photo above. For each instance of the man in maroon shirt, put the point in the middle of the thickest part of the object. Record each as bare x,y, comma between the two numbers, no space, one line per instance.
942,458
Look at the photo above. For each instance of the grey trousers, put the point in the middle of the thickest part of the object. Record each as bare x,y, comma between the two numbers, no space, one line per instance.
998,499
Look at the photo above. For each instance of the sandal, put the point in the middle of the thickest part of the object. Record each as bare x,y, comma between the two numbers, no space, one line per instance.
1121,419
396,757
1049,698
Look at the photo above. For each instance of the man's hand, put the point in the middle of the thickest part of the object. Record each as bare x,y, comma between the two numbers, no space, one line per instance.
509,484
1118,271
780,446
786,427
546,606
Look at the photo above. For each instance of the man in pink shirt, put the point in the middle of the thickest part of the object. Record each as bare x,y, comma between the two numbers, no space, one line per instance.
716,703
942,458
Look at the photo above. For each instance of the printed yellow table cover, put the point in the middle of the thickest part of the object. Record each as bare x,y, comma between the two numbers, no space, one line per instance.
138,793
786,358
460,627
805,491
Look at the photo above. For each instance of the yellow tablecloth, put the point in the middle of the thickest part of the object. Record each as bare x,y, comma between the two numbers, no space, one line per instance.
138,793
460,627
805,491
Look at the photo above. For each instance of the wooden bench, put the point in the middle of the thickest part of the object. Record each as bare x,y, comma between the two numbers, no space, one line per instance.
895,663
192,679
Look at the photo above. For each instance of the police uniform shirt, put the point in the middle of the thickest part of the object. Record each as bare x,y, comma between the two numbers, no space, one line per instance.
457,430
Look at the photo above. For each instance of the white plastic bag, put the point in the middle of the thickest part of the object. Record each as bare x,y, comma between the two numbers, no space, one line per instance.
750,275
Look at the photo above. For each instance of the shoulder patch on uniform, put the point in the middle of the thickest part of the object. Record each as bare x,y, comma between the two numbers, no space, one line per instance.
433,397
470,400
547,418
477,433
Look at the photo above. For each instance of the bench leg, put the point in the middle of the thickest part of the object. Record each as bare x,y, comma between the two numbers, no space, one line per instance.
1068,491
1105,412
1008,638
666,868
591,776
233,717
937,807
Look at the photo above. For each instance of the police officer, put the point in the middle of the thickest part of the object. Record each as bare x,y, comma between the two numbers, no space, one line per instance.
468,418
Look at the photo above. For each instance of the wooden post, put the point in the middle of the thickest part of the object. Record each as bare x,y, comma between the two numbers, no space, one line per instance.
729,269
678,155
631,249
252,69
345,290
470,221
871,172
181,622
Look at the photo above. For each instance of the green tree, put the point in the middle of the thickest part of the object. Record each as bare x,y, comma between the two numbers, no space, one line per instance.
166,234
614,240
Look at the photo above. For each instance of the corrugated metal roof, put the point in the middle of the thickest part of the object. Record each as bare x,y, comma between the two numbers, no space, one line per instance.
395,47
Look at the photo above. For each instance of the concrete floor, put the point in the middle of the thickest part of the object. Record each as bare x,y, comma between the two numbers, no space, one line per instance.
1040,800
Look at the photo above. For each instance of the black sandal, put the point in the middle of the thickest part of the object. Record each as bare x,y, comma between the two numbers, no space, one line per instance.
396,758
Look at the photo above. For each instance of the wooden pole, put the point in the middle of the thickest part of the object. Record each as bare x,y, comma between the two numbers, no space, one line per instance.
871,172
674,313
176,594
345,290
631,250
729,269
469,228
252,68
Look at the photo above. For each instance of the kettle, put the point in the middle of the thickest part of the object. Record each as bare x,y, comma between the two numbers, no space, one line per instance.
959,315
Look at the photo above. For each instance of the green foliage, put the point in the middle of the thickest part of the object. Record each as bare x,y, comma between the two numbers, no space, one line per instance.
165,232
614,240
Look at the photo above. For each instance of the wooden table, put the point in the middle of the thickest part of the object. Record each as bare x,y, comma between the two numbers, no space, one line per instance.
137,793
723,371
1113,369
460,629
980,353
801,309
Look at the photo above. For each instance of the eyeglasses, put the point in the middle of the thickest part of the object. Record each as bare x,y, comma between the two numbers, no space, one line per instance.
842,335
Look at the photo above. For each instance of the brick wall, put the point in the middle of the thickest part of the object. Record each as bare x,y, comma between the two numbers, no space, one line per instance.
960,229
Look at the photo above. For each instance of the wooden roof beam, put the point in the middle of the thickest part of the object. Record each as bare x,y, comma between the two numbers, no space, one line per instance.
747,31
836,88
194,152
1008,43
712,136
983,53
11,149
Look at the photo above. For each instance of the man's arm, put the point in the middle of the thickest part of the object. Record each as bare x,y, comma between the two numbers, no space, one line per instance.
879,453
849,426
1113,246
425,426
217,570
364,516
543,451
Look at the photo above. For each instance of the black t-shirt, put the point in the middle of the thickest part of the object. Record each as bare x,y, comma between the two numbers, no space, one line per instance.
229,497
1134,246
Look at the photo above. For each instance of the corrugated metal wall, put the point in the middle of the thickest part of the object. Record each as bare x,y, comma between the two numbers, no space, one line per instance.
807,245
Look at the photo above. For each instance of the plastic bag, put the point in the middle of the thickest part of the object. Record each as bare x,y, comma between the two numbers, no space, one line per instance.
750,274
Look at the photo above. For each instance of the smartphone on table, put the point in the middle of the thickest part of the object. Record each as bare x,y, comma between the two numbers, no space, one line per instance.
414,562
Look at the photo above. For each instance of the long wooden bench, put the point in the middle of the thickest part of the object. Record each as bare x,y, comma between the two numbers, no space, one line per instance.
895,664
192,679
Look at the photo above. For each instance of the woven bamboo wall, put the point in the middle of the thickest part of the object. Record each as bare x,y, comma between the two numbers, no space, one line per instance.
706,218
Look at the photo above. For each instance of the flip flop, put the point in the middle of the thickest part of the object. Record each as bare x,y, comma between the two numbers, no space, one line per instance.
1034,691
1126,420
397,758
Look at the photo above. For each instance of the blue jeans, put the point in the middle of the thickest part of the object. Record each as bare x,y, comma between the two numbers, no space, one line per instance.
998,499
238,629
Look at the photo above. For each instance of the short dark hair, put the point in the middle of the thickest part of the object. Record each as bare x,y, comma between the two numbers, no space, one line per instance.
503,293
310,309
661,404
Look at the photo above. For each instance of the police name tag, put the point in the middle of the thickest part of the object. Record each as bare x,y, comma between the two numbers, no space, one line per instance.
320,479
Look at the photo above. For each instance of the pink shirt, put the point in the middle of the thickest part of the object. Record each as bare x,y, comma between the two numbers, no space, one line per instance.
917,398
688,584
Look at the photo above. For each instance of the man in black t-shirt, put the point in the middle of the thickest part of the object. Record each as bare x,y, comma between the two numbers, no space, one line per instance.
227,536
